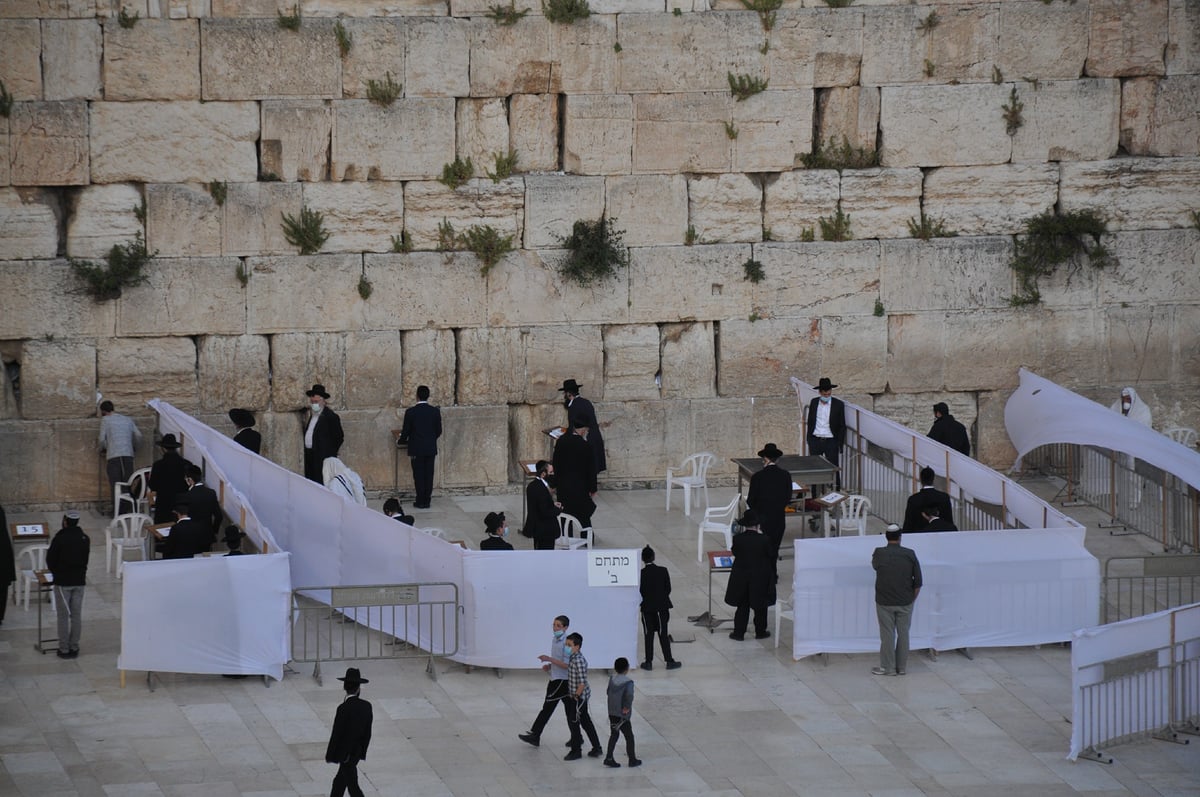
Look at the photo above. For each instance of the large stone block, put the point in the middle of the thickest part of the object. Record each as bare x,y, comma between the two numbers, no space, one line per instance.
374,361
554,202
1126,38
438,58
482,131
943,125
683,132
689,362
103,217
1139,350
916,351
598,134
511,59
533,131
1069,120
759,357
1183,35
1133,193
317,293
253,219
345,9
855,349
774,129
945,274
283,438
176,142
429,359
28,226
584,56
992,445
631,362
250,59
376,50
555,353
848,115
474,448
696,282
410,139
234,371
774,420
529,288
58,379
809,280
424,288
725,208
816,47
21,58
477,202
1185,357
298,361
491,365
185,296
359,217
694,52
156,59
722,426
651,209
961,47
29,464
48,143
295,139
795,201
636,433
5,161
48,9
31,287
1043,40
368,450
71,55
1158,116
996,342
182,220
1065,347
133,371
881,202
990,200
1155,267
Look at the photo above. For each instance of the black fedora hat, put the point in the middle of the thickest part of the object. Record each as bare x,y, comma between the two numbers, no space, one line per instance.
168,441
241,418
317,390
493,522
353,676
570,386
233,535
825,384
749,519
770,451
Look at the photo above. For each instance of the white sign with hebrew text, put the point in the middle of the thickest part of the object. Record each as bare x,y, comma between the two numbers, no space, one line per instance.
616,568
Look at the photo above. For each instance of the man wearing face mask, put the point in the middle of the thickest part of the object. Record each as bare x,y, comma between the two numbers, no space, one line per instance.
496,528
827,426
541,510
1132,407
556,690
322,436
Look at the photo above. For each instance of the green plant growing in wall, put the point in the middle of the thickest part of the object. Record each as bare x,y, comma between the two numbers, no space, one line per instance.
345,38
616,47
928,228
930,68
840,156
487,244
243,276
565,12
689,236
1012,113
997,75
677,11
766,11
879,311
402,243
506,15
6,101
383,92
594,251
305,231
752,271
457,173
1051,240
766,234
448,239
504,165
807,235
835,227
218,190
929,23
123,267
365,287
139,211
731,131
127,20
267,176
289,21
743,86
838,3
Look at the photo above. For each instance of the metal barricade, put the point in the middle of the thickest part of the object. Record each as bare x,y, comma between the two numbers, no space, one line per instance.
375,621
1136,585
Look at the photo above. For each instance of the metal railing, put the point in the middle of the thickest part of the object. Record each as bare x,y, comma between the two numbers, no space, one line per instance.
1138,585
1133,493
375,621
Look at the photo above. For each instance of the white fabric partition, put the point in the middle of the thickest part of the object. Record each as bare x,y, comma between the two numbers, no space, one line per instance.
981,588
216,615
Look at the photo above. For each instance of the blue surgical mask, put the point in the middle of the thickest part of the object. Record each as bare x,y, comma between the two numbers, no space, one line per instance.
504,533
826,399
567,651
559,634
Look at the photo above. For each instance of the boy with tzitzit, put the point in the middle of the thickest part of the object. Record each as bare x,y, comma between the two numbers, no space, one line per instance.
579,692
620,712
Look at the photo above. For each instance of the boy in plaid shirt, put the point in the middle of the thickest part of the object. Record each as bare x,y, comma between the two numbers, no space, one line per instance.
578,694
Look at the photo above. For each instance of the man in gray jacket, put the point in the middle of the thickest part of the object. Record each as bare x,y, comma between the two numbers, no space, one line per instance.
119,437
897,584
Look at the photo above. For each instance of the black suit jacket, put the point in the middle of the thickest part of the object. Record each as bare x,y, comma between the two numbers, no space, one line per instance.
541,515
574,469
493,543
205,509
327,436
769,494
582,408
655,588
351,733
249,438
167,482
923,499
949,432
188,537
837,418
937,524
752,580
421,430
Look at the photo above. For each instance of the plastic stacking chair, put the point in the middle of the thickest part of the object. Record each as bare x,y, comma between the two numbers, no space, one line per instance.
133,495
691,475
783,611
125,533
570,533
29,561
1182,435
717,520
851,513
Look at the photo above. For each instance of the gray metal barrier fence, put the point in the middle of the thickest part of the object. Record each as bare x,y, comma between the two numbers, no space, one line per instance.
1138,585
375,622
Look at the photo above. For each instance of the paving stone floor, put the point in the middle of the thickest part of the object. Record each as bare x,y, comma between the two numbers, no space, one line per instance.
738,719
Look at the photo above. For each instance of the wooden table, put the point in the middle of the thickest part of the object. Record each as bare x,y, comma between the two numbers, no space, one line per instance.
529,471
806,471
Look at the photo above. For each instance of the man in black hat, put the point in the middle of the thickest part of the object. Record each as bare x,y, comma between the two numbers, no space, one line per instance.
188,537
322,436
168,478
575,473
827,426
67,560
579,407
233,541
769,494
752,579
655,588
496,529
351,735
203,503
246,436
948,431
420,432
541,510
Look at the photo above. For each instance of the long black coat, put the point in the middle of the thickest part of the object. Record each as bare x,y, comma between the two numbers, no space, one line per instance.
351,733
769,494
8,569
541,515
752,580
249,439
327,442
655,588
923,499
582,408
837,418
168,483
949,432
205,509
575,474
188,537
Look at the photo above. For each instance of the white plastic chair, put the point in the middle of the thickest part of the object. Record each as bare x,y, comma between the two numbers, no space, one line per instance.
691,475
27,572
570,533
851,513
133,495
1182,435
783,611
126,532
717,520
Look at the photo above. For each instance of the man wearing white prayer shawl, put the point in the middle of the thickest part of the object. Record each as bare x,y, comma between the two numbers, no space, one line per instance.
1134,409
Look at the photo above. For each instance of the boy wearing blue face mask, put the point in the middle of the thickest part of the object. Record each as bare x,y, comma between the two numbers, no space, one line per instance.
556,690
496,528
579,693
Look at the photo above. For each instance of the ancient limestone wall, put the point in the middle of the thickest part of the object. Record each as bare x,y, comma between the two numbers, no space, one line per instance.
627,113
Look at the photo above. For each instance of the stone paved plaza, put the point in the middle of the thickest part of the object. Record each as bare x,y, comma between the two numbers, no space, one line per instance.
738,719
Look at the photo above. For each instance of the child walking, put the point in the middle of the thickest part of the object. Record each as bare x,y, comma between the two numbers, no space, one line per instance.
580,692
620,712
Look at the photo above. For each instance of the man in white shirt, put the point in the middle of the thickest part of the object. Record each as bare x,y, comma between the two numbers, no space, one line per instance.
827,426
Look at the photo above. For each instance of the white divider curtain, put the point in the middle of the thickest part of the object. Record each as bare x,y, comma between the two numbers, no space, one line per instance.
509,599
1122,708
1040,412
214,615
981,588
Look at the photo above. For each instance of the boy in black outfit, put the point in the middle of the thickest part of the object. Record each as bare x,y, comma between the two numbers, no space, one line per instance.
656,603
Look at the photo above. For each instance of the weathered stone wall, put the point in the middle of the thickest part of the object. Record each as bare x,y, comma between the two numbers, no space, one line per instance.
627,113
